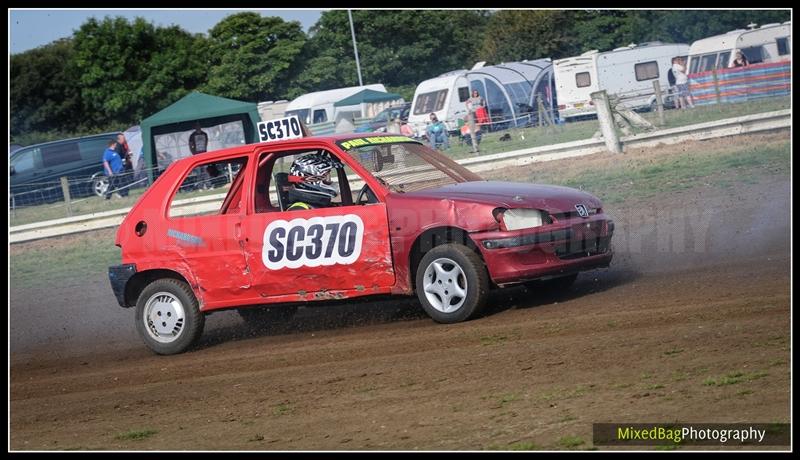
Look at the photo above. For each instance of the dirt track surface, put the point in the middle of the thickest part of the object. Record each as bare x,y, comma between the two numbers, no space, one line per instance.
652,339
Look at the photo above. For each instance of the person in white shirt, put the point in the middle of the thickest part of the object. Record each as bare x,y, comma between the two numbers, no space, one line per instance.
684,98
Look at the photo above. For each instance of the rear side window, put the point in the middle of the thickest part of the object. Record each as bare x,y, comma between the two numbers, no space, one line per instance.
783,46
61,153
209,179
92,149
583,79
24,160
646,71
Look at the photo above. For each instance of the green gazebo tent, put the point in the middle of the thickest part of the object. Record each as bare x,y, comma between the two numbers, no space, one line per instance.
199,108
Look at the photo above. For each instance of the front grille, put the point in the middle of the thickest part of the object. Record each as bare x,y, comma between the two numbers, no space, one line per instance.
575,249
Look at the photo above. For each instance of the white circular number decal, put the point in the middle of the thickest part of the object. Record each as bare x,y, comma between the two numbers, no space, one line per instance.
312,242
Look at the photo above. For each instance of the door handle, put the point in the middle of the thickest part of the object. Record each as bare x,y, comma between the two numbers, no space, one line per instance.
237,230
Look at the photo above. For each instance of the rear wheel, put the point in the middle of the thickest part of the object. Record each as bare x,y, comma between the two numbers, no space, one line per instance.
100,185
452,283
168,317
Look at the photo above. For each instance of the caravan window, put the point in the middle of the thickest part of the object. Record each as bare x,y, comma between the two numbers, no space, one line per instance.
754,54
722,62
302,114
783,46
320,116
463,94
583,79
707,62
430,102
646,71
694,64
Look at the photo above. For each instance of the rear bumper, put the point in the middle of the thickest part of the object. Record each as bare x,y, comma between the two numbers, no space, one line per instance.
119,275
514,257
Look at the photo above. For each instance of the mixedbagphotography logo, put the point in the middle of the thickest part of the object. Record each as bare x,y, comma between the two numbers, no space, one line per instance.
691,434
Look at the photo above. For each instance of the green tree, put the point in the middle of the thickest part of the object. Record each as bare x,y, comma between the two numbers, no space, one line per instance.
251,56
396,48
514,35
44,94
129,70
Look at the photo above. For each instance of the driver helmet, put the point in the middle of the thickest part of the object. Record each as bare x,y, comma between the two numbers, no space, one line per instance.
311,176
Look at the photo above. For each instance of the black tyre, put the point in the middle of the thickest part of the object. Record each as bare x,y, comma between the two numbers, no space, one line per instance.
265,316
452,283
168,317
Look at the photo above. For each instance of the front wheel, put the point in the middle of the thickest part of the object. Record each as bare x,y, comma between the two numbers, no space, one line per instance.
452,283
168,317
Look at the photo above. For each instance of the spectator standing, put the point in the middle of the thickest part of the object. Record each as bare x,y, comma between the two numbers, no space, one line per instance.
113,167
198,140
684,98
474,104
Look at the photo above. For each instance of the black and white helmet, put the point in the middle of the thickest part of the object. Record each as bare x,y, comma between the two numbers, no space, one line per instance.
313,171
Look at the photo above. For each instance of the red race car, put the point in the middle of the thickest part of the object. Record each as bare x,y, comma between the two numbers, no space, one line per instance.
321,218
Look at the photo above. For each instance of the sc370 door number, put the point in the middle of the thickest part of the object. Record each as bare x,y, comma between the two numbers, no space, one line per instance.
319,241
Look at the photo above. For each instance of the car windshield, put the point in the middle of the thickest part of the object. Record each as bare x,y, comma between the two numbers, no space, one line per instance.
404,165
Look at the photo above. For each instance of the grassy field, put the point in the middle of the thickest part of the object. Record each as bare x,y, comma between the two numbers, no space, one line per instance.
58,260
519,139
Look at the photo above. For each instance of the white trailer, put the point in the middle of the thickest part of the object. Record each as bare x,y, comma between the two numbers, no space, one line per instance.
768,43
317,107
444,95
628,71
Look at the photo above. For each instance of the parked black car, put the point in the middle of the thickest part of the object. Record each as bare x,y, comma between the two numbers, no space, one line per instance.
379,121
36,170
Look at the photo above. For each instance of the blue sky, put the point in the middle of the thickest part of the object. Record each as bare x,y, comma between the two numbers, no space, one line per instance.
32,28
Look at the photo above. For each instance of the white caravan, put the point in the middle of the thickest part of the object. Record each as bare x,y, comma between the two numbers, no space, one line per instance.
511,90
768,43
628,71
444,95
317,107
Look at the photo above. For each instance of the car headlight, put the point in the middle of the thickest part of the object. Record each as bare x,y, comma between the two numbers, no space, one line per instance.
516,219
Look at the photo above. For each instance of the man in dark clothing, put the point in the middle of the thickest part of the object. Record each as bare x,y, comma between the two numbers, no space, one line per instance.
198,140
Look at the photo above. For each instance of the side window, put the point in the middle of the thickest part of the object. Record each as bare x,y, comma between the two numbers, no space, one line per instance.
463,94
695,64
61,153
754,54
583,79
92,149
210,185
707,62
783,46
24,160
320,116
646,71
723,60
280,185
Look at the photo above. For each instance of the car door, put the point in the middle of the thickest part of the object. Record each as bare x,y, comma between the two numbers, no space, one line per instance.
332,252
204,232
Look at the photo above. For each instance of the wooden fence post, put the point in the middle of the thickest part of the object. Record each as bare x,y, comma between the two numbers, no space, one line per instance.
65,189
659,102
606,119
716,86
